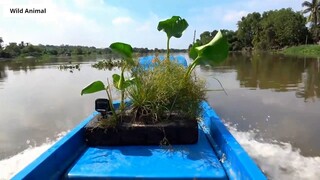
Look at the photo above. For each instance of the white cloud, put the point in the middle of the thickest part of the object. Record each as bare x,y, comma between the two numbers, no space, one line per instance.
234,16
81,22
60,25
226,16
82,3
122,20
149,24
258,5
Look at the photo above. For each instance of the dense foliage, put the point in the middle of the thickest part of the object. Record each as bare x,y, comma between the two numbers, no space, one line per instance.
22,49
280,28
13,50
164,88
274,29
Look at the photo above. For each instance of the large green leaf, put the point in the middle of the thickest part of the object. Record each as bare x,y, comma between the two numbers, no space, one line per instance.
214,52
193,53
125,50
93,87
129,82
116,81
121,85
173,26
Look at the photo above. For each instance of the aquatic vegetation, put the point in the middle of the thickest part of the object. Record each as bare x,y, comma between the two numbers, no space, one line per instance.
107,64
173,27
167,89
69,66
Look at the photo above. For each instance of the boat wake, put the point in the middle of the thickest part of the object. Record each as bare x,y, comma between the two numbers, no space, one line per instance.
11,166
278,160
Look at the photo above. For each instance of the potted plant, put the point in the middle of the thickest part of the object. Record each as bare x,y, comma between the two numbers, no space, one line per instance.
164,99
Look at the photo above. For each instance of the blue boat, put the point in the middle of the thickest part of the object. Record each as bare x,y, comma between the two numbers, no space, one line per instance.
216,155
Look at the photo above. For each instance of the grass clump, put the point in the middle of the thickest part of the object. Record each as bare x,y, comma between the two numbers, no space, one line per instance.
164,92
167,90
303,51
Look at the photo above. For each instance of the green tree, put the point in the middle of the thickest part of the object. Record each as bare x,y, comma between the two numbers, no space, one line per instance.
312,8
78,51
1,41
248,28
22,44
13,50
234,43
280,28
205,37
31,50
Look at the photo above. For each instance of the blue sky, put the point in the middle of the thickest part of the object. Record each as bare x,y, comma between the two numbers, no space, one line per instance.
101,22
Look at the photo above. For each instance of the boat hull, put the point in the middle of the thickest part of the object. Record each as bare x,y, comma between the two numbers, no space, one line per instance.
59,160
216,155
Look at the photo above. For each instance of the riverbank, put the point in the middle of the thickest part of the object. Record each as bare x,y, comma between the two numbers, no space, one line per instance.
265,92
50,57
303,51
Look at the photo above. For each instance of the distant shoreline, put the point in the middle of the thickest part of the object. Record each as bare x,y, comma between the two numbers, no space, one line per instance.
312,51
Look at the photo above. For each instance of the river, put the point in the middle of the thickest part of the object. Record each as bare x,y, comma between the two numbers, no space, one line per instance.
271,104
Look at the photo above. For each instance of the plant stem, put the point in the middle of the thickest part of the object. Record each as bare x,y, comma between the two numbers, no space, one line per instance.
171,108
120,86
110,100
168,50
191,67
122,101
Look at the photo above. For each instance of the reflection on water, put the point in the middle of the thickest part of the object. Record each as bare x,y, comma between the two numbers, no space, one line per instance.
310,88
38,101
275,95
276,72
3,73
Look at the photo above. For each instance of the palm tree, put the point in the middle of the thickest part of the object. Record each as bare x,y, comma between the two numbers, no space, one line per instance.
1,41
312,8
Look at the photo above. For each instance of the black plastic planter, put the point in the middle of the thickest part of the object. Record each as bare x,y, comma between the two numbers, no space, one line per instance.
126,133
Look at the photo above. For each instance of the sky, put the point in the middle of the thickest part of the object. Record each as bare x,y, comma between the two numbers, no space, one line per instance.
101,22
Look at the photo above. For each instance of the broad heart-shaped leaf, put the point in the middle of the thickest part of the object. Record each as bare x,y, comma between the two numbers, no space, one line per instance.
193,53
173,26
129,82
116,79
93,87
123,85
214,52
125,50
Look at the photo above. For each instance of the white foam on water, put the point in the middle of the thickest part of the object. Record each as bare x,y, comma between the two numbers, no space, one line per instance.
278,160
11,166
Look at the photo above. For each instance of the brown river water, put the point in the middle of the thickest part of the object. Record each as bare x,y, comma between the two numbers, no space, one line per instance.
271,104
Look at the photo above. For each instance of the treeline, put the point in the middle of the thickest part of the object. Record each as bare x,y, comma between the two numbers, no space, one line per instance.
22,49
271,30
274,29
26,49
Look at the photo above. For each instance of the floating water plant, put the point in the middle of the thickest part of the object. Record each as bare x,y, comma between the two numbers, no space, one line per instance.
213,53
106,64
173,27
119,82
167,92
